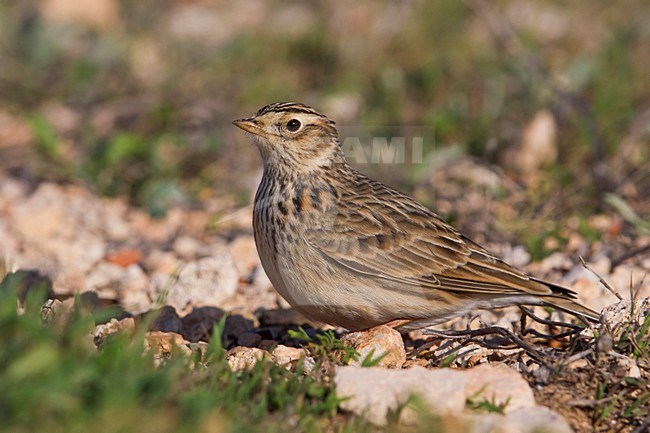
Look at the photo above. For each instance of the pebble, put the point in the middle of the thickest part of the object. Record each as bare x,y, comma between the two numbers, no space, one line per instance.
164,344
281,317
167,320
375,392
114,326
236,325
186,247
199,323
162,262
130,284
244,358
524,420
627,367
375,342
285,356
249,339
617,317
208,281
72,239
244,253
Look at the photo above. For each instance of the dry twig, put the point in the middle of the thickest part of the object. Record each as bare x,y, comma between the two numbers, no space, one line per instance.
473,336
602,281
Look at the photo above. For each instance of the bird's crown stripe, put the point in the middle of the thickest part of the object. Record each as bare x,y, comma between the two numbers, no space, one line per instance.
287,107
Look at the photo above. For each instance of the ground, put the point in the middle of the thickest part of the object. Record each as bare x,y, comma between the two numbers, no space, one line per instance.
126,193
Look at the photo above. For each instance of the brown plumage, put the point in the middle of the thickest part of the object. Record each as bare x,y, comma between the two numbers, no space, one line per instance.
350,251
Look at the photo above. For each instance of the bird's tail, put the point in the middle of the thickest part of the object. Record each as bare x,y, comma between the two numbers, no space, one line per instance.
565,299
572,307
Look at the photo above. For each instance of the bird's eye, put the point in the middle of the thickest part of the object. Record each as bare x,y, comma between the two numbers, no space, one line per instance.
293,125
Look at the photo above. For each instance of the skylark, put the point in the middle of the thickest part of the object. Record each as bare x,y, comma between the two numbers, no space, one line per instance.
350,251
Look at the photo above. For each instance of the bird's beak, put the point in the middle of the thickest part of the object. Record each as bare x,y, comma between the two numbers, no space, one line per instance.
248,125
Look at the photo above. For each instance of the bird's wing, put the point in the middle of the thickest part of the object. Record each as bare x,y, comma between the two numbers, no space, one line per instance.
386,235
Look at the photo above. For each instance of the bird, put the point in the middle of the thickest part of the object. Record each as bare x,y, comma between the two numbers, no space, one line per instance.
350,251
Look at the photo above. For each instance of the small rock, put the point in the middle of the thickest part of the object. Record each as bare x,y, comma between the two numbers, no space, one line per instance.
533,419
617,317
601,265
159,230
416,362
374,392
517,256
244,253
244,358
167,320
275,333
164,344
198,324
25,281
58,313
15,132
627,367
104,274
592,293
124,258
164,341
133,290
555,261
538,146
375,342
135,301
249,339
162,262
239,221
542,375
236,325
620,279
286,356
577,243
308,364
102,14
186,247
130,284
267,344
208,281
578,364
499,383
281,317
114,326
200,347
47,310
260,280
71,240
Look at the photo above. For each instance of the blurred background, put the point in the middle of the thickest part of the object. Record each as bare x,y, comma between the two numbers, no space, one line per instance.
541,106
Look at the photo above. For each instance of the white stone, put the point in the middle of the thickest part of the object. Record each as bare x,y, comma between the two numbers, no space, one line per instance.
374,392
244,254
208,281
379,341
284,356
186,247
244,358
523,420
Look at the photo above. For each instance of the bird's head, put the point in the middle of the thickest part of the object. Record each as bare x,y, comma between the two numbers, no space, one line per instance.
293,136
